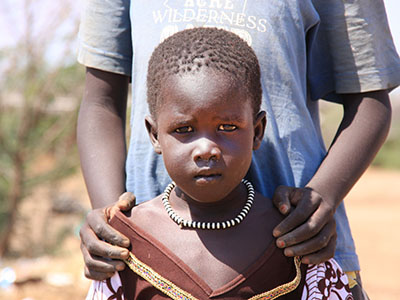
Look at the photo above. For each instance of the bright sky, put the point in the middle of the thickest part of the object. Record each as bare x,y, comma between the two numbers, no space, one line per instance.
50,23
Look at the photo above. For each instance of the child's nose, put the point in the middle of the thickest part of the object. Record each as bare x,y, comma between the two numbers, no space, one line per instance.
206,150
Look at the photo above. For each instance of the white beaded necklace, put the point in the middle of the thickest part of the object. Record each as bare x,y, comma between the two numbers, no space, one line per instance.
208,225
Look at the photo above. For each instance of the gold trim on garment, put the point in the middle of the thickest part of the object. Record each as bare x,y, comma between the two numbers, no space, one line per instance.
284,288
176,293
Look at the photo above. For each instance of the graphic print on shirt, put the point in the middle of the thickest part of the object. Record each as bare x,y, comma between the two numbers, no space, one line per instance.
225,14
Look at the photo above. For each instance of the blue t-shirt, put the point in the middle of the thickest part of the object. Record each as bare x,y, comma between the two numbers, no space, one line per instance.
307,50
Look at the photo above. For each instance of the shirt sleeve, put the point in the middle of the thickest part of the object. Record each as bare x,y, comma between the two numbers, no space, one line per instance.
104,39
106,289
353,50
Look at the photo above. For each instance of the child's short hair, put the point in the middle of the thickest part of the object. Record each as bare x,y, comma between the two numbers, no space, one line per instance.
190,50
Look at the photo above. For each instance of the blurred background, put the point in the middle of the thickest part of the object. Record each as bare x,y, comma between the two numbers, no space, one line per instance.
43,199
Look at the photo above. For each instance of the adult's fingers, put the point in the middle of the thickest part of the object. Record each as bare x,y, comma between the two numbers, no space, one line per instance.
126,201
307,202
97,223
98,247
281,198
322,255
97,268
315,244
93,275
315,225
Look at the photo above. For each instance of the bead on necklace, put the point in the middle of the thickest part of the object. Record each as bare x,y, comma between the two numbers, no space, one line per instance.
208,225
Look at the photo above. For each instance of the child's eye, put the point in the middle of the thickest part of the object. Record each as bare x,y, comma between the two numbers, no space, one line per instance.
184,129
227,127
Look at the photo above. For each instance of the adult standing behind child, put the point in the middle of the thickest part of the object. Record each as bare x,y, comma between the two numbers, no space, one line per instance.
209,235
341,50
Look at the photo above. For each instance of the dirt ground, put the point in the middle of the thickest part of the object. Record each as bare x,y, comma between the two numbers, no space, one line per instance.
373,209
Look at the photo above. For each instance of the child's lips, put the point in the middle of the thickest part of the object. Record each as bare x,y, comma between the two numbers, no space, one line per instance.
206,177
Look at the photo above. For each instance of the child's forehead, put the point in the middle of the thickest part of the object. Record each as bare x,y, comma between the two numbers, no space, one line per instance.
204,92
201,81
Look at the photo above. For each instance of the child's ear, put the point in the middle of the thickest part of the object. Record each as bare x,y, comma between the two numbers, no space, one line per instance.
151,127
259,128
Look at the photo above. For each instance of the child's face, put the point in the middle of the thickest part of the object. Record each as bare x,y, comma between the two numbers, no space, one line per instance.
206,131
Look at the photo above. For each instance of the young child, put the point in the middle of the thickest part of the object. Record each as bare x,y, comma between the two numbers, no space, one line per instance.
205,236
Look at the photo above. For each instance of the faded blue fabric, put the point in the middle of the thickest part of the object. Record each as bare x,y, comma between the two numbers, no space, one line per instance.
302,59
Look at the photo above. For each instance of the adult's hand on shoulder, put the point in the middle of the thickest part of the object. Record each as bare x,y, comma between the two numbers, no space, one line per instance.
309,228
102,246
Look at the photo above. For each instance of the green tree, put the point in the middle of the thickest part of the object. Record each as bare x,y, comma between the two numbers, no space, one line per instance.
38,103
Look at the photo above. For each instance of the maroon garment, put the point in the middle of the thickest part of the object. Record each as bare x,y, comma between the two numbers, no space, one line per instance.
267,272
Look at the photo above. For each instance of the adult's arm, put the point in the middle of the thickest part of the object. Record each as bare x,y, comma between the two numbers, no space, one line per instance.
308,229
102,150
101,135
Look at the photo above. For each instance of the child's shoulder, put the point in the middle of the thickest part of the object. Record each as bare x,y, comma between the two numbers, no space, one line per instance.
148,210
147,219
264,208
150,217
264,205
